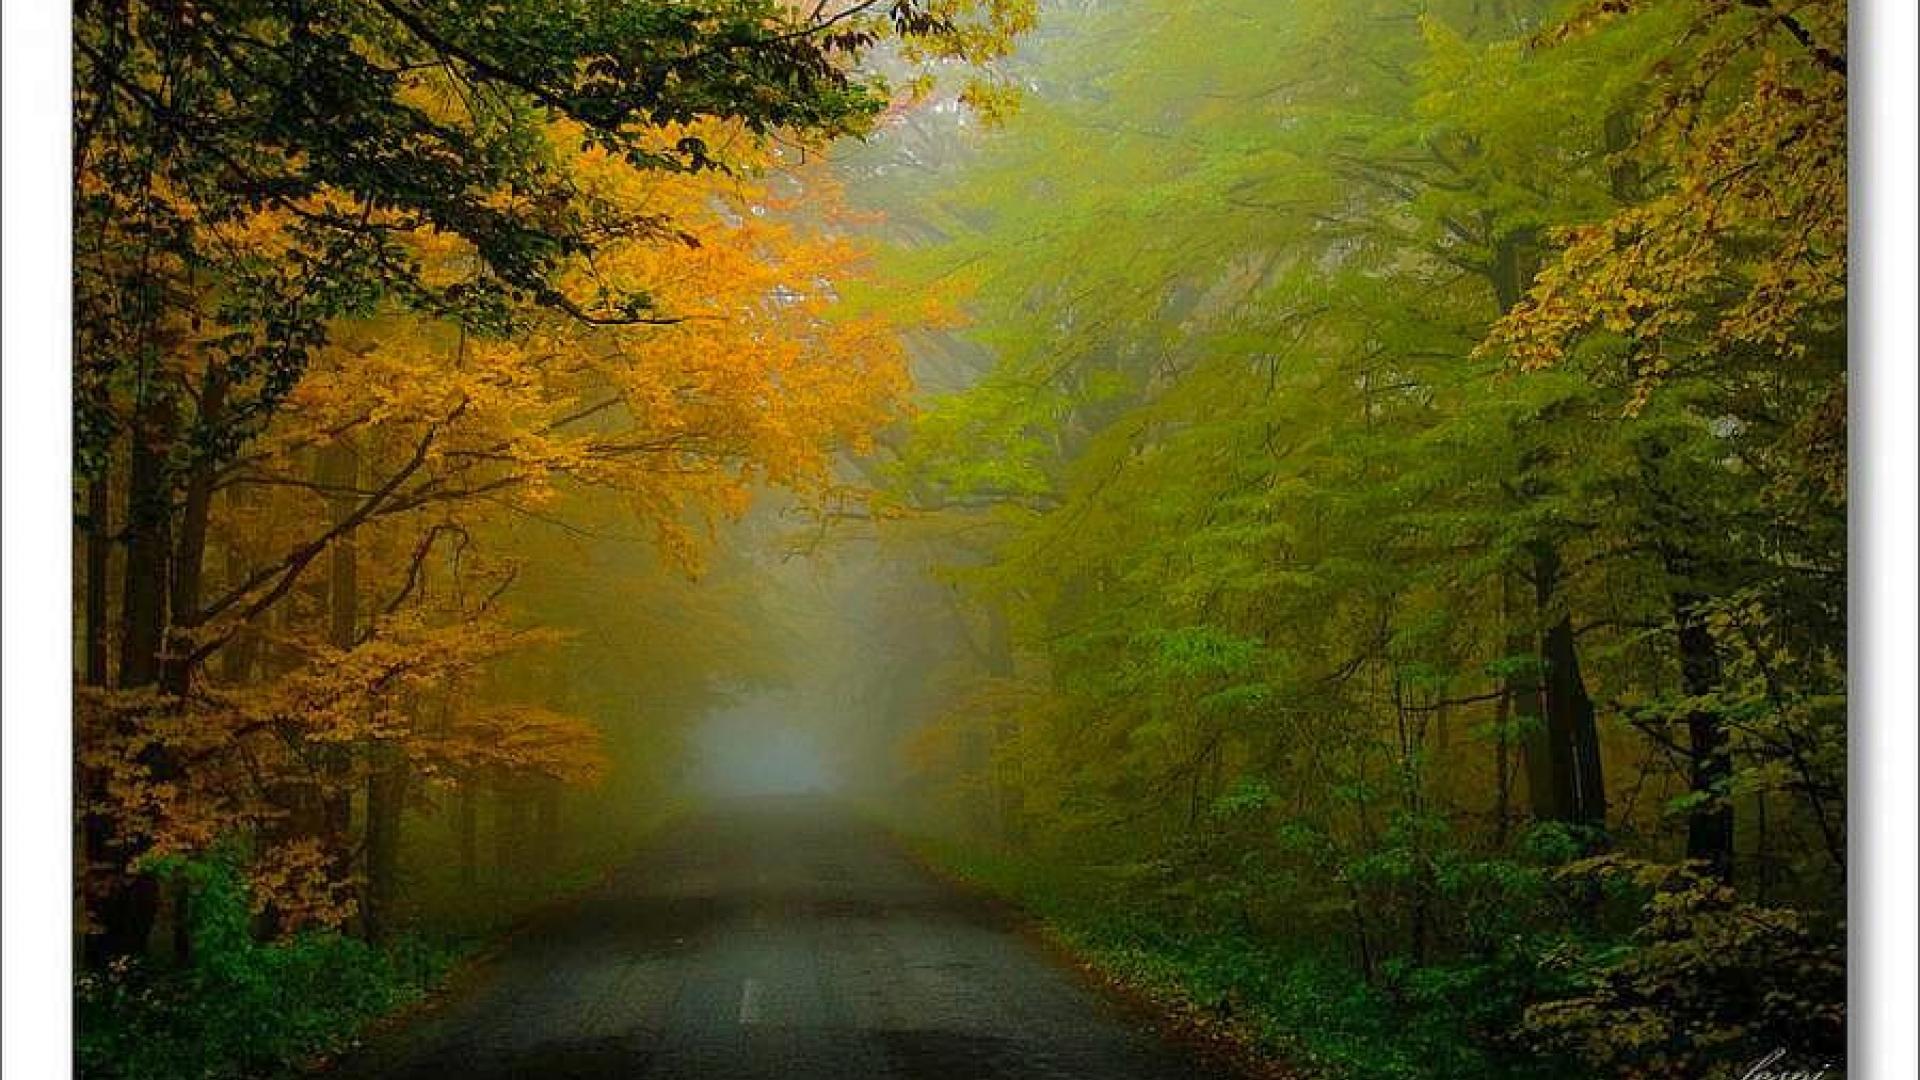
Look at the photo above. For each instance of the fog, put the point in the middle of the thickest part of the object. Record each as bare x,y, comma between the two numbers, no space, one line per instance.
859,635
762,746
848,639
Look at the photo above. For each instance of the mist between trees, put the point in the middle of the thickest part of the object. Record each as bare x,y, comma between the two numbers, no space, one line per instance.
1339,506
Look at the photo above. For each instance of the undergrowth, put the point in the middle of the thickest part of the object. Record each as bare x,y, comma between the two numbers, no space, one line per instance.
1290,1001
243,1009
240,1008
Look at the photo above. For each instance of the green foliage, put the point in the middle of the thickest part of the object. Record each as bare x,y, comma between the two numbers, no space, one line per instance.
1293,998
1707,985
244,1008
1276,506
240,1009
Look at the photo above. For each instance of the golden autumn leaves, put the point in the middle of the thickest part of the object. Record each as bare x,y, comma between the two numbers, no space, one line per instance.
1746,248
409,440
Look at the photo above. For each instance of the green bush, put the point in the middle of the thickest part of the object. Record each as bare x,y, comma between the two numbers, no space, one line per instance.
1707,985
1172,928
239,1008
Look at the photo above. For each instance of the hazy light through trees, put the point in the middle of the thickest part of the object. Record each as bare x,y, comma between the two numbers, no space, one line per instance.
760,746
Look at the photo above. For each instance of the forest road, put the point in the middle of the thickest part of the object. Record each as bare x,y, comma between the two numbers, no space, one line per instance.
775,937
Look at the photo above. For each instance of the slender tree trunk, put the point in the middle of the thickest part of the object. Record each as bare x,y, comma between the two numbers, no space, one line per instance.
467,825
99,548
999,658
1503,769
130,902
242,652
1412,734
94,835
1710,824
337,466
143,604
1525,696
1565,781
546,823
190,542
386,798
189,562
1573,738
318,806
1362,937
510,829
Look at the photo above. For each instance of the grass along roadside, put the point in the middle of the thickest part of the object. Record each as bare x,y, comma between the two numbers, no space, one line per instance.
1287,1009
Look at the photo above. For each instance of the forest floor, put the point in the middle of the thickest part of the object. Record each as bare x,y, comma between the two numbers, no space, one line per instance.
780,938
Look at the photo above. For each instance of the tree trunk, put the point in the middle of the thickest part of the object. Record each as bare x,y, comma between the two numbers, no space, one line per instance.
1503,769
318,806
92,833
130,902
1523,697
386,798
143,604
1000,665
1563,767
242,651
1710,824
1566,756
467,825
98,551
337,466
510,829
1559,740
183,604
546,823
190,543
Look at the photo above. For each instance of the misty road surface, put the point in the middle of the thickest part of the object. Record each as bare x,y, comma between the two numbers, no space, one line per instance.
774,937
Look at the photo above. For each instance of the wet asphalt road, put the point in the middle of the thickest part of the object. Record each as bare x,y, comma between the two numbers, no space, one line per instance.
774,938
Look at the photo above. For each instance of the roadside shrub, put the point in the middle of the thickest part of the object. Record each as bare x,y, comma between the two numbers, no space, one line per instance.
239,1008
1708,986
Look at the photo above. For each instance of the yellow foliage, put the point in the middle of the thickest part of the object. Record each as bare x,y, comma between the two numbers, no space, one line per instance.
408,436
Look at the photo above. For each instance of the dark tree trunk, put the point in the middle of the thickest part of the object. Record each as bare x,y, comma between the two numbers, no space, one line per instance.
1522,699
143,605
338,467
1549,705
1710,824
510,829
1566,756
1563,767
546,823
467,825
93,834
242,649
386,798
99,550
129,902
183,604
1503,769
190,542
